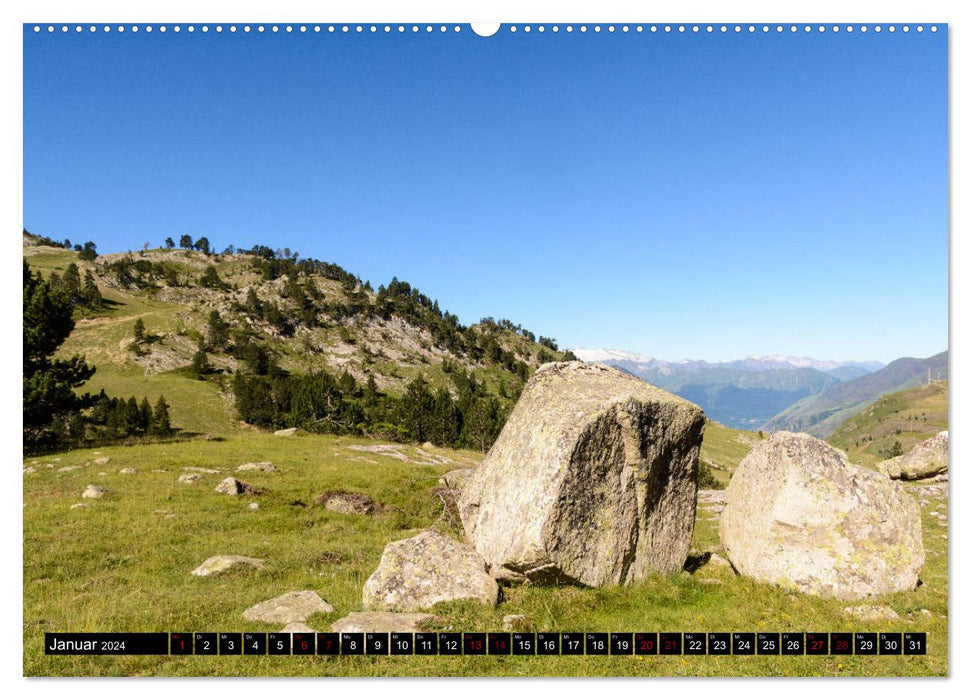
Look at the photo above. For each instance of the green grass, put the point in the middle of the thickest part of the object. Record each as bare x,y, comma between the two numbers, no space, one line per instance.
47,258
724,448
122,564
908,417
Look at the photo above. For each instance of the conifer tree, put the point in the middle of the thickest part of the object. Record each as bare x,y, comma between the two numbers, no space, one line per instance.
161,424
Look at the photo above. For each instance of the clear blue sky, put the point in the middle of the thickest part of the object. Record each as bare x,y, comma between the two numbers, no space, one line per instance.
681,195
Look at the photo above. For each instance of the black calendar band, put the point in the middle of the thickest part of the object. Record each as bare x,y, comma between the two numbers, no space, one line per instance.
742,644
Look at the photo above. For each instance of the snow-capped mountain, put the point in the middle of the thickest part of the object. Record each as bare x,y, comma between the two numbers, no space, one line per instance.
740,393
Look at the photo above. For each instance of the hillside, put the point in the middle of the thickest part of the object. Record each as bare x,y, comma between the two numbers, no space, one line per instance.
277,315
893,424
822,413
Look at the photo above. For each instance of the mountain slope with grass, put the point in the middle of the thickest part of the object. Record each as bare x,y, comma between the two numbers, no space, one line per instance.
893,424
821,414
185,322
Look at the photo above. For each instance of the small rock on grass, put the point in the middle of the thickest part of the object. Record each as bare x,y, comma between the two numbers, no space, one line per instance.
94,492
286,432
254,506
189,478
429,568
233,487
257,467
29,470
289,607
385,622
871,613
347,503
80,505
225,562
128,470
102,460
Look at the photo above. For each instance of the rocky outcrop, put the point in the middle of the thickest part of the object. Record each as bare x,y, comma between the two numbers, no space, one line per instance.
429,568
925,460
592,480
225,562
800,516
257,467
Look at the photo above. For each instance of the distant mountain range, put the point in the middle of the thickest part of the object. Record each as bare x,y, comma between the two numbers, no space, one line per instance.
822,413
745,393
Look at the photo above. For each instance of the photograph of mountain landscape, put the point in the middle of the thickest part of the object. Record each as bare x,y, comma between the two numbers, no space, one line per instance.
351,334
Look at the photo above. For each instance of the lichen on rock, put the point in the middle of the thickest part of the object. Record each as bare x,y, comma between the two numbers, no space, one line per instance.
592,480
799,515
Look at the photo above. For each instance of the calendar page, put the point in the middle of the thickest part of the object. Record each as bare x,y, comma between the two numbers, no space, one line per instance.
431,349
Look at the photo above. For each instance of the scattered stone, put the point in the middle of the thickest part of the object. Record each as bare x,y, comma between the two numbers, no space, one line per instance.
200,470
286,432
257,466
426,569
102,473
517,623
102,460
289,607
29,470
94,492
297,627
430,457
925,460
233,487
70,468
717,562
225,562
80,505
385,622
800,516
711,496
592,480
128,470
254,506
397,452
871,613
506,576
346,503
456,479
189,478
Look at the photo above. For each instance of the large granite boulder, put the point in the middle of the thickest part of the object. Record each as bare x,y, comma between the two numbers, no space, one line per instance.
800,516
925,459
429,568
592,480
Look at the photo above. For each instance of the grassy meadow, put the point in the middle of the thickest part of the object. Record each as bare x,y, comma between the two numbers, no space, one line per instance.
122,564
907,417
